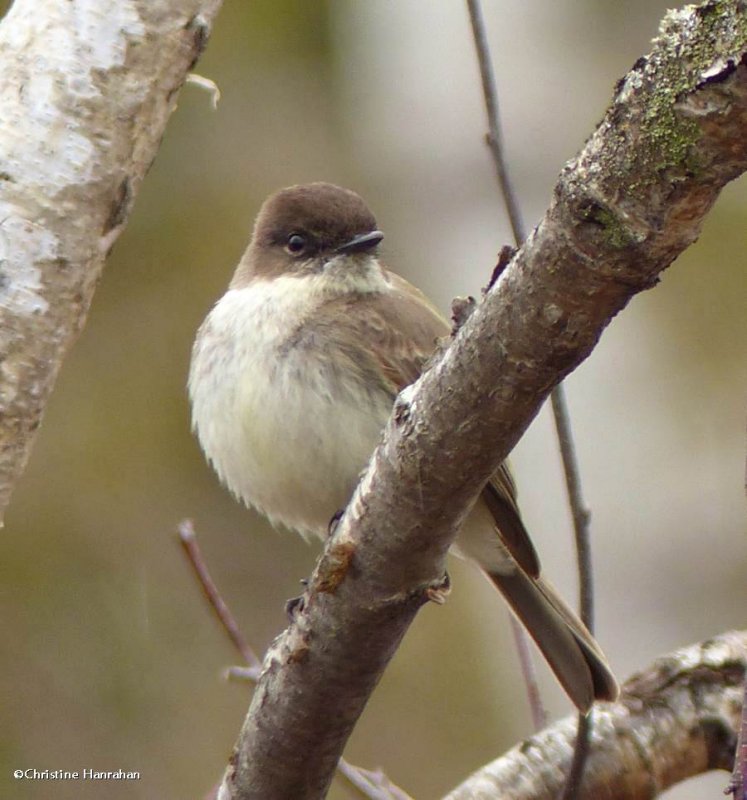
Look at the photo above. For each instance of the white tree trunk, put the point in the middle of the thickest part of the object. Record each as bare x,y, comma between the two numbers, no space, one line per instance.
86,89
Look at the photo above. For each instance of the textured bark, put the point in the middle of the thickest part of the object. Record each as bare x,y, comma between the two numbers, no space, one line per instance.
633,199
86,89
677,719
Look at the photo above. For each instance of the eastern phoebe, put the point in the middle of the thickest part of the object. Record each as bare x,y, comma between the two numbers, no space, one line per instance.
294,374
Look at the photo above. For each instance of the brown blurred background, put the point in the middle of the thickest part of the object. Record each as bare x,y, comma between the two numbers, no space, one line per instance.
109,658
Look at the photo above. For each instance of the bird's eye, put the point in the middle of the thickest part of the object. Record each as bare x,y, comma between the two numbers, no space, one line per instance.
296,243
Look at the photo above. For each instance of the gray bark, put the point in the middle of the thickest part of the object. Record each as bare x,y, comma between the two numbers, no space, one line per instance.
674,720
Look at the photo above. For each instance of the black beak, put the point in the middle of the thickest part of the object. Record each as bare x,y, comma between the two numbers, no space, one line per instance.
359,244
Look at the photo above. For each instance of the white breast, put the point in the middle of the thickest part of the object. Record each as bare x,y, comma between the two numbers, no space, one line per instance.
281,434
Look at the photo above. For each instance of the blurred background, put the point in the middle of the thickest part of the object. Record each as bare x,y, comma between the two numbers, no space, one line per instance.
110,658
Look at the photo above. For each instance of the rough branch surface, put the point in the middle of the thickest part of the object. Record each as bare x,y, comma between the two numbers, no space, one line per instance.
623,210
676,719
86,89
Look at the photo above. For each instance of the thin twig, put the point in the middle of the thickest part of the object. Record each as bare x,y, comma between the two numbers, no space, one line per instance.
581,518
494,137
378,778
188,541
370,785
529,671
581,750
562,421
358,781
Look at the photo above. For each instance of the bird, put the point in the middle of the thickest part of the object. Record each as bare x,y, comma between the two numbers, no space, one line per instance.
294,373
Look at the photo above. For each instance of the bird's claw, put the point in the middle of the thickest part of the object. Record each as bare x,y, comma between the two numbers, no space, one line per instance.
295,606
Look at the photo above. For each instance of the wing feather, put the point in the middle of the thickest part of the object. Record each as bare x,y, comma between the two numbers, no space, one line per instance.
401,329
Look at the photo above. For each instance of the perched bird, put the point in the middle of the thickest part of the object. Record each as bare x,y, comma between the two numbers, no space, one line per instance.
294,374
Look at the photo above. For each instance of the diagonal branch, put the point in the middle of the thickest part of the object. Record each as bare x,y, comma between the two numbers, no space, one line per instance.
676,719
622,211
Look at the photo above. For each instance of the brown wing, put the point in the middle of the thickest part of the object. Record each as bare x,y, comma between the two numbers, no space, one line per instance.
401,329
405,332
386,334
569,648
499,496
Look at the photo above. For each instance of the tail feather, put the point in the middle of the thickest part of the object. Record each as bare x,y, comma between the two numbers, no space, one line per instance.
570,650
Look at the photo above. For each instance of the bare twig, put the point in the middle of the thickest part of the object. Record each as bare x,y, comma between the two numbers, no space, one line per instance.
581,516
581,750
529,672
241,674
560,412
188,540
581,519
494,137
370,785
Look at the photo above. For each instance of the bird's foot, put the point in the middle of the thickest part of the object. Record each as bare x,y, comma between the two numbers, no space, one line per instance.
295,605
